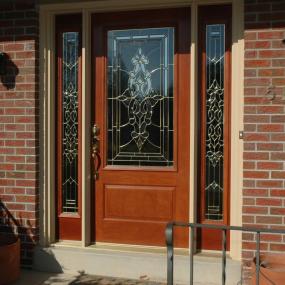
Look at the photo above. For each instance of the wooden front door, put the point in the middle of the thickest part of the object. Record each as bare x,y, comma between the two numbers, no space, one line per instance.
141,75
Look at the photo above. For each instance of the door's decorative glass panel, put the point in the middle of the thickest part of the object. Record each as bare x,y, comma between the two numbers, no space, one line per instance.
70,121
140,97
215,51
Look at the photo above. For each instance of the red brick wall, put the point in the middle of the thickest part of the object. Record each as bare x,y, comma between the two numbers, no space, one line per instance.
19,110
264,122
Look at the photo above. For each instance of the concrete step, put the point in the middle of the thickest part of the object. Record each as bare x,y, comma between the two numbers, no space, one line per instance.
134,265
32,277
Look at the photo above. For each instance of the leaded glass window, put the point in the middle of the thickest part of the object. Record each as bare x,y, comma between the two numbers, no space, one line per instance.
70,56
215,51
140,97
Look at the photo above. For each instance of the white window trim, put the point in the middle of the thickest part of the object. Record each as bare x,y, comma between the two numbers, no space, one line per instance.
47,111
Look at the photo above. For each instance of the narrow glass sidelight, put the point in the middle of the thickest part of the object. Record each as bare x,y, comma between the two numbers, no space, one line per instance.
214,174
70,65
140,97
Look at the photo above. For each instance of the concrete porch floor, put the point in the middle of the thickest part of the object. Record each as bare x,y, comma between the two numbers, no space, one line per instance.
32,277
126,264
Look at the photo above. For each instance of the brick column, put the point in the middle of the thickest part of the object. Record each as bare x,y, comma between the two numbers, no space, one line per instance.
264,123
19,122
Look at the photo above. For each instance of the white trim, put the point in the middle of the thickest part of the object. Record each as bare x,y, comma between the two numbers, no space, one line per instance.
193,114
236,126
86,126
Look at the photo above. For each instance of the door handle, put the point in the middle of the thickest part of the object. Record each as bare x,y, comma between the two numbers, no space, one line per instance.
95,150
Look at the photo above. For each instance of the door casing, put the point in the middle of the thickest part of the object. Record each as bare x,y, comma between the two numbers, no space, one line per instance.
47,111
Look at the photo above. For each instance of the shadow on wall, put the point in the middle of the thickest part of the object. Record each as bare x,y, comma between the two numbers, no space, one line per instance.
9,72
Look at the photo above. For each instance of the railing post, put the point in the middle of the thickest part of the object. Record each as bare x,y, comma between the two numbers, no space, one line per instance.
170,255
257,259
224,257
192,254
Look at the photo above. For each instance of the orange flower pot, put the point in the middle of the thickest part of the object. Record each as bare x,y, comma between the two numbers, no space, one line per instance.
9,259
272,270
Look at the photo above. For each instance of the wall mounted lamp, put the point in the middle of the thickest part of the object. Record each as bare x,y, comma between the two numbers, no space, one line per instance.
2,63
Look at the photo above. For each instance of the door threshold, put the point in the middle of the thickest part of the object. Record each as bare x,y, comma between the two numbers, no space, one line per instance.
137,248
211,253
119,247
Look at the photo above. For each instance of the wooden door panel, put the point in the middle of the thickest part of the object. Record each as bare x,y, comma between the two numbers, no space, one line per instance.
144,181
141,203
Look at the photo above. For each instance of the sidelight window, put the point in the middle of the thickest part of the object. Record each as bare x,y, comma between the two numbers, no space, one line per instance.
215,51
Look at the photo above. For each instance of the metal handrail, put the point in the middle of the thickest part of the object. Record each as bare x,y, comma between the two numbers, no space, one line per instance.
224,229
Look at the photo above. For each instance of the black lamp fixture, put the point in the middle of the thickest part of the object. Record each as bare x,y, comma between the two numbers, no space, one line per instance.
2,63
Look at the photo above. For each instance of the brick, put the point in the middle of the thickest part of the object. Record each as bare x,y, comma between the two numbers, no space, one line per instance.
277,193
255,210
248,201
256,119
270,128
270,146
278,156
247,219
255,100
249,146
277,247
249,91
270,109
255,174
256,137
270,237
268,202
270,165
249,35
25,198
248,183
270,35
278,174
249,165
256,155
252,245
14,47
277,211
255,8
257,44
270,183
278,62
255,63
271,72
249,127
272,53
250,54
278,81
278,118
268,220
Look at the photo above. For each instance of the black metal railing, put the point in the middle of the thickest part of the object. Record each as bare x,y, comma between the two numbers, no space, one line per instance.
224,229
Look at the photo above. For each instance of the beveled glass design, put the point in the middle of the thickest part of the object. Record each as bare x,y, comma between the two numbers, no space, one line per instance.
140,97
215,51
70,49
